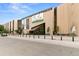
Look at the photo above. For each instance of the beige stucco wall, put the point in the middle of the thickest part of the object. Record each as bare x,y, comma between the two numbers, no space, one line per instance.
49,19
6,26
68,16
30,23
63,18
25,31
75,16
11,25
15,24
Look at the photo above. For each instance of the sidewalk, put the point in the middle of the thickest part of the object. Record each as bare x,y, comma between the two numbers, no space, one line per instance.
66,43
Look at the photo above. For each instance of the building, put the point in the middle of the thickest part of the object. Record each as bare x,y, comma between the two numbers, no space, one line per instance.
40,22
13,25
6,26
63,19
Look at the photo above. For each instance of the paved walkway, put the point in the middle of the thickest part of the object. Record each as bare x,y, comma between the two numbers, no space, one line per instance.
65,42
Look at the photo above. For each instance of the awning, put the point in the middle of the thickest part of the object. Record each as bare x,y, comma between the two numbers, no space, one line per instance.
34,28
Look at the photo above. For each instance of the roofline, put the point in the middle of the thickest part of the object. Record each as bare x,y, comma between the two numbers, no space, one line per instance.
40,11
50,8
37,13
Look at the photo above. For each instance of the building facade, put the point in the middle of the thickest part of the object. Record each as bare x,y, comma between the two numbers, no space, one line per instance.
6,26
68,18
63,19
41,22
12,26
26,27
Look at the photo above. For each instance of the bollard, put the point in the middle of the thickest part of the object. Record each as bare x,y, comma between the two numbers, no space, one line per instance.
26,35
23,35
33,36
61,38
20,35
52,37
29,36
38,36
73,38
44,36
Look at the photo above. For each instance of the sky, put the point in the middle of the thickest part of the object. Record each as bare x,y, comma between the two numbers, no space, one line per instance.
13,11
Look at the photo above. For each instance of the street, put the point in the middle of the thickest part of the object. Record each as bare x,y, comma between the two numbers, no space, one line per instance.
15,47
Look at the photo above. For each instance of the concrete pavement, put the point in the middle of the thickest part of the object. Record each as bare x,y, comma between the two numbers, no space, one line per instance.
20,46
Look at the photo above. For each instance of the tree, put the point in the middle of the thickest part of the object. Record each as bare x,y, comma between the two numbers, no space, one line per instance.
1,27
3,30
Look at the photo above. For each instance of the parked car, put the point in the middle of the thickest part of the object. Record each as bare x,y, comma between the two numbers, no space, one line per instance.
4,34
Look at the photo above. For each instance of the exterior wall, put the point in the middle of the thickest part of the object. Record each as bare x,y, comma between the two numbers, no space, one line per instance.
67,17
24,23
27,23
30,23
75,16
19,24
49,19
63,18
15,25
11,26
6,26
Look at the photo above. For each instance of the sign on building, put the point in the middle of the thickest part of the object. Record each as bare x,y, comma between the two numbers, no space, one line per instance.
37,17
